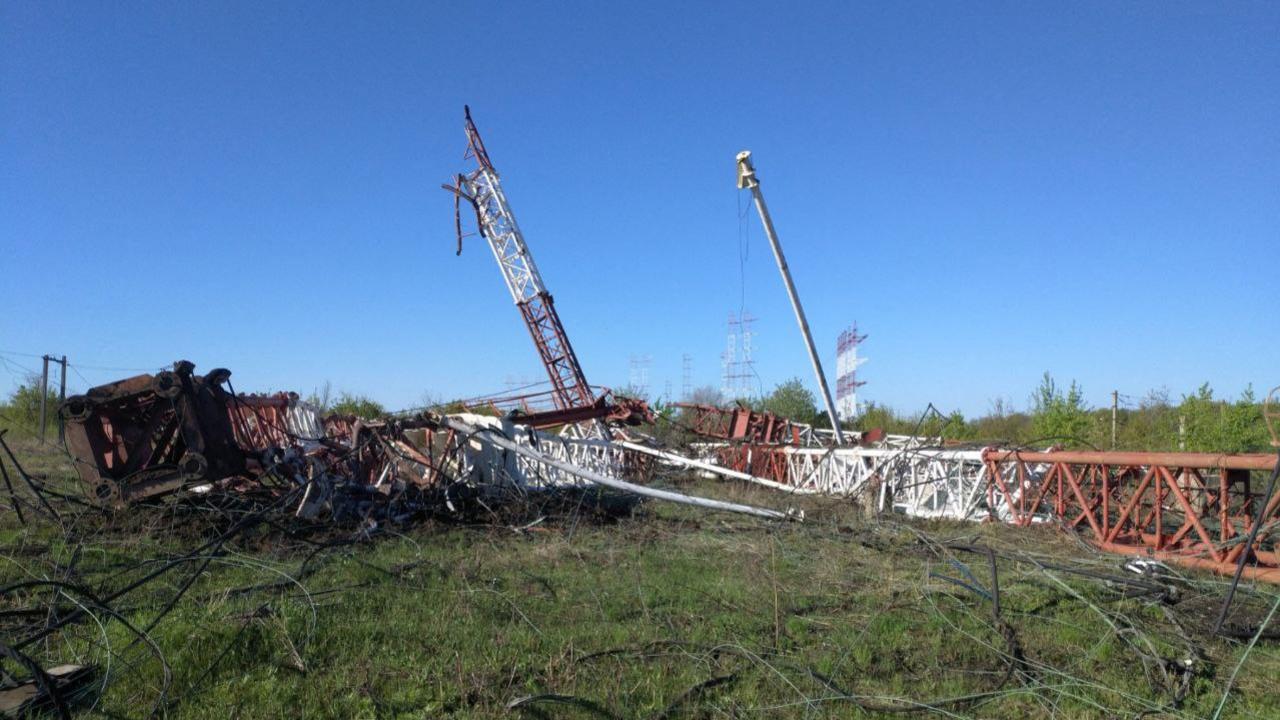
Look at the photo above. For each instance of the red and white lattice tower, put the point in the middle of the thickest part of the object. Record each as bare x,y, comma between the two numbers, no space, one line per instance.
481,187
847,362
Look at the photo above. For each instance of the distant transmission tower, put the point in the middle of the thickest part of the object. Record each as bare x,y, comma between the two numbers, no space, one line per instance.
686,377
739,370
639,379
847,362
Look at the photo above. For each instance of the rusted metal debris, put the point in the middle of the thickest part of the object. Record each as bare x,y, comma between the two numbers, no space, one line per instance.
150,435
154,435
742,424
1191,508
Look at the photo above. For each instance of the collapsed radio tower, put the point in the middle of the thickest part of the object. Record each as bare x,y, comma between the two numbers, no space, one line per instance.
497,224
847,363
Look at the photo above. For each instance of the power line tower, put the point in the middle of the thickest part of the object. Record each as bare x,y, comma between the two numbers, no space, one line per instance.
686,377
739,370
639,376
847,362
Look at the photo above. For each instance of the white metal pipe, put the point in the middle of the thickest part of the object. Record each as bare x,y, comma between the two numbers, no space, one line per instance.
595,477
747,179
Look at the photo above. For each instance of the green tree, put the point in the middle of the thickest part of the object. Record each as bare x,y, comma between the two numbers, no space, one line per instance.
792,400
321,398
1214,425
1002,424
1243,429
1058,415
877,416
358,405
706,395
1152,426
22,411
956,427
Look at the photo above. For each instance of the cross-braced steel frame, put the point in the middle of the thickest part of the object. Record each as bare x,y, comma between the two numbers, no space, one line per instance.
483,189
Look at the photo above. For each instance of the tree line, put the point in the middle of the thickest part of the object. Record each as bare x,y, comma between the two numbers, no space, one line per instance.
1056,415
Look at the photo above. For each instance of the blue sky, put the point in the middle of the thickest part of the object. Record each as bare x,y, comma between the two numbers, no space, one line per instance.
990,190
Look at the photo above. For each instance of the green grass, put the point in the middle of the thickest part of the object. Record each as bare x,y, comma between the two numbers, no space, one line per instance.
670,613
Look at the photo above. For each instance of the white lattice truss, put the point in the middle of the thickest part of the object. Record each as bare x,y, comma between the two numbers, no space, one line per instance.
922,482
491,464
896,475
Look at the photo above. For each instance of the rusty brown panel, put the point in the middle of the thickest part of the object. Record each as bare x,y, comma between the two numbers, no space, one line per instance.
151,434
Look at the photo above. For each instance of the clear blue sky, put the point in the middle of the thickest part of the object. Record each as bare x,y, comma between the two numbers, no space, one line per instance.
990,190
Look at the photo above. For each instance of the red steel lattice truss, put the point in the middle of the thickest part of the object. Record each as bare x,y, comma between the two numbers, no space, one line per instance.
1192,508
1195,509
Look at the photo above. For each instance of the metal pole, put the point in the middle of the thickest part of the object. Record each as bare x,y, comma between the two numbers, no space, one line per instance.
44,394
747,179
62,398
1115,402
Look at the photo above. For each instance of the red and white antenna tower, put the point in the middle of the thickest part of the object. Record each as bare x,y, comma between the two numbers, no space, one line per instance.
481,187
847,362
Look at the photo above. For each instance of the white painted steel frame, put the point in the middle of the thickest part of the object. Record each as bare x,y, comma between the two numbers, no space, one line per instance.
503,234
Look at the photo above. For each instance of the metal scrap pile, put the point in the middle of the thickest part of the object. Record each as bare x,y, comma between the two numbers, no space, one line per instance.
178,432
184,459
155,435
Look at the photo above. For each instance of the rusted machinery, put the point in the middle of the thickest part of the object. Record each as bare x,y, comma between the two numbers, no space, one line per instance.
152,434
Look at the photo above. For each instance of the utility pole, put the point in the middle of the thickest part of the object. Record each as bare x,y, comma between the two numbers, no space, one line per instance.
62,398
747,180
1115,403
44,394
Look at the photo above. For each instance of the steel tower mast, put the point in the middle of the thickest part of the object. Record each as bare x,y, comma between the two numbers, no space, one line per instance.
747,181
498,225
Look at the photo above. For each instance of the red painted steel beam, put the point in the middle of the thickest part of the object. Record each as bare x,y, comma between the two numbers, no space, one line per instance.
1158,505
1169,459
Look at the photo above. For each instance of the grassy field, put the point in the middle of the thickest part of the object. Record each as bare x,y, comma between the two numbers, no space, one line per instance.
668,613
